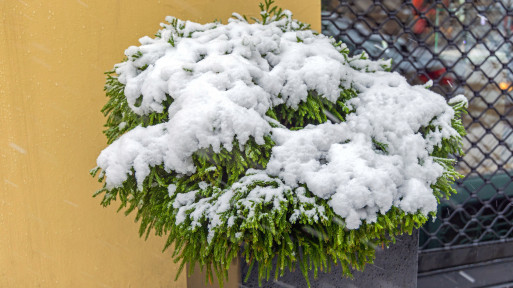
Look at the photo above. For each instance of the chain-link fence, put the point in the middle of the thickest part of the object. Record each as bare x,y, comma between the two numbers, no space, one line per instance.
465,47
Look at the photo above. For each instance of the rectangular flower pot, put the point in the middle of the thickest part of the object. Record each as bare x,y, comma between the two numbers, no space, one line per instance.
394,267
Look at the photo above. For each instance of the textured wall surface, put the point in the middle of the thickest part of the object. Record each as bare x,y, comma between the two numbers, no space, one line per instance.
394,267
52,57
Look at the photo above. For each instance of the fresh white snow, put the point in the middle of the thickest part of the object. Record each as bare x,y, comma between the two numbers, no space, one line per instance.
224,78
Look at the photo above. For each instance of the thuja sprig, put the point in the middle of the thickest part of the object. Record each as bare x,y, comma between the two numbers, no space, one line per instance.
281,228
315,110
120,117
273,14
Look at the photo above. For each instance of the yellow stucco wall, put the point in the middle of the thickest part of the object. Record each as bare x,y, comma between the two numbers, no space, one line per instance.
52,57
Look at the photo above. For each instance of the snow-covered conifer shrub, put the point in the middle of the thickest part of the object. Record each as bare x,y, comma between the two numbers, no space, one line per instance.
267,139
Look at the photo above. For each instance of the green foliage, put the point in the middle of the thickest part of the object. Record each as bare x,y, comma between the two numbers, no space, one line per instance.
120,118
451,146
261,229
314,110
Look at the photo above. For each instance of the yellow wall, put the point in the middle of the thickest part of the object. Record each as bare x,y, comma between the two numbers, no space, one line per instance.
52,58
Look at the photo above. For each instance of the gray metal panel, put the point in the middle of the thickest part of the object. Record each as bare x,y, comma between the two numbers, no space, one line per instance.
496,274
464,255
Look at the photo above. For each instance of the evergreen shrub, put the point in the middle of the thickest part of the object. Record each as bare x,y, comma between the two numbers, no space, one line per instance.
264,139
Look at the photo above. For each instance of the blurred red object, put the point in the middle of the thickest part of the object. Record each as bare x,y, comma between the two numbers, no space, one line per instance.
433,75
421,12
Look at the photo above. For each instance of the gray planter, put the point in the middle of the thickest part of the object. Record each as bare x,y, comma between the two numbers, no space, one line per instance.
395,266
